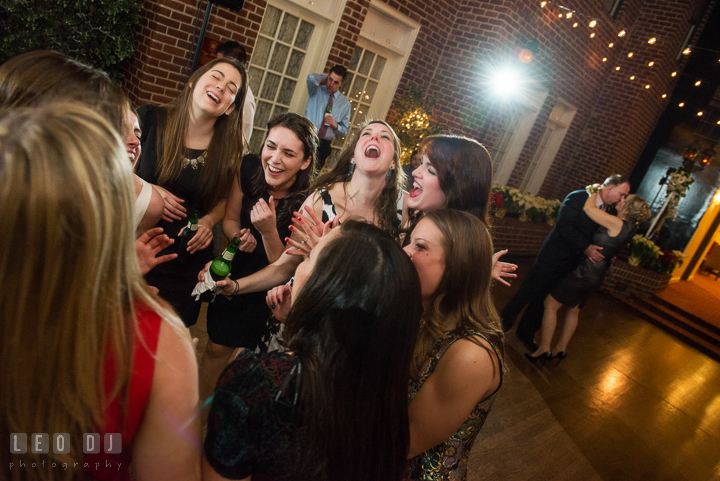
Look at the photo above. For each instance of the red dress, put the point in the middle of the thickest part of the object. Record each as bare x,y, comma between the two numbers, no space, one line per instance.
115,467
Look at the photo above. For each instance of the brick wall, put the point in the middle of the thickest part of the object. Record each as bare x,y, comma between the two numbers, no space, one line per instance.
457,41
520,238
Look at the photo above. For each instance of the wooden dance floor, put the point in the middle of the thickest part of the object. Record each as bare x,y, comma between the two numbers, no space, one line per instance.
630,402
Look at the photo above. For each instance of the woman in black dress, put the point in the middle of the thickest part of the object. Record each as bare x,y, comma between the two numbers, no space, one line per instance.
259,210
191,152
576,287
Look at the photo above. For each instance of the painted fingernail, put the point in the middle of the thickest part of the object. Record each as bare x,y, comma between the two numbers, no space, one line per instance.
291,227
286,239
287,252
299,218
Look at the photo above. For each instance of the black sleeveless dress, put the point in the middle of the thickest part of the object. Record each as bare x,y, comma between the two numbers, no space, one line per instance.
577,286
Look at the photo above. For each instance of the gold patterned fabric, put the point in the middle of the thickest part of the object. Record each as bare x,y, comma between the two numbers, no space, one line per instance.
448,460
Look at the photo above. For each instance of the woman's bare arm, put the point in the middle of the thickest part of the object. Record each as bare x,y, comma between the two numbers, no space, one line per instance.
612,223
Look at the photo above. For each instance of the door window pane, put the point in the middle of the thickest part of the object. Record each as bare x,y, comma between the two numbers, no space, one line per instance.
279,57
304,33
270,87
255,75
262,114
366,62
287,30
355,58
261,54
286,91
295,64
377,69
370,91
270,21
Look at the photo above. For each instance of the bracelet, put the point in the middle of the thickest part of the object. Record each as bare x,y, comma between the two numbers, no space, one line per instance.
237,287
592,189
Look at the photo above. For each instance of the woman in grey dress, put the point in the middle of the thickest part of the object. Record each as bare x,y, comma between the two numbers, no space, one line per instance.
576,287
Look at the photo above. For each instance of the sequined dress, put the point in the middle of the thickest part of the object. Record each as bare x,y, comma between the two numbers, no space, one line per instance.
448,460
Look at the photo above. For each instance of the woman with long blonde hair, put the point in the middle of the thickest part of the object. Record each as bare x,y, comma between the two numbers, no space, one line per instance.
192,150
86,348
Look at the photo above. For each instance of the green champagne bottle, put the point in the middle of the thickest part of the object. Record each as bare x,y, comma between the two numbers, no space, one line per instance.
184,256
328,111
220,267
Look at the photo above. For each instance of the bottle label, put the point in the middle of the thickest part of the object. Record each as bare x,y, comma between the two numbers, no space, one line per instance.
228,256
192,227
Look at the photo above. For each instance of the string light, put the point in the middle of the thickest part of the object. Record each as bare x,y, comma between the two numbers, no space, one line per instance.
575,25
604,59
621,33
663,95
673,74
697,84
592,35
611,45
647,87
542,4
630,54
568,15
699,114
652,41
687,51
592,24
650,64
632,77
560,15
681,104
617,68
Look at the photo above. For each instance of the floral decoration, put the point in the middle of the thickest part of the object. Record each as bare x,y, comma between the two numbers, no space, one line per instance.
645,253
528,207
678,183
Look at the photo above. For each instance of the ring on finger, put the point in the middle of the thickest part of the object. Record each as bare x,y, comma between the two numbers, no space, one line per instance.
307,236
273,306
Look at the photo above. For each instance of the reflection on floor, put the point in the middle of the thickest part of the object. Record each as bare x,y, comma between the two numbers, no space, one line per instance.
699,296
630,402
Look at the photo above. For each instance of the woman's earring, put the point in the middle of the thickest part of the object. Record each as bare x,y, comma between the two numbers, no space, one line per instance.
352,168
388,176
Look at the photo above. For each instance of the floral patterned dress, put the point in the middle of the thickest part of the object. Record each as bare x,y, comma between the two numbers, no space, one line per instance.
448,460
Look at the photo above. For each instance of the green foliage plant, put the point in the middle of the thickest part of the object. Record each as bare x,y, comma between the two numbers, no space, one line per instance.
413,112
97,32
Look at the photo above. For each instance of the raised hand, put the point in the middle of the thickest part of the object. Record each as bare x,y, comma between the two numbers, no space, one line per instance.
502,269
147,247
263,217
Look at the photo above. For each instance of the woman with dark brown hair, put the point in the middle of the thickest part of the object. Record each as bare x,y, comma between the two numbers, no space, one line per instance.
455,173
191,151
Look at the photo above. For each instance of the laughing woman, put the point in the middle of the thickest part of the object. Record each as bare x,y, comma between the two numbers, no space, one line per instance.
364,184
270,187
192,151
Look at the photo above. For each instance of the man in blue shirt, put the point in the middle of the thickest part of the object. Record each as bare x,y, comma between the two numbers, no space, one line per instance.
323,95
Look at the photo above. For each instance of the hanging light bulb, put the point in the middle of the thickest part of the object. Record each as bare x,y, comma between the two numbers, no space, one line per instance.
542,4
647,87
673,74
650,64
699,114
592,35
592,23
611,45
560,15
617,68
621,33
652,41
575,25
663,95
632,77
568,15
697,84
630,54
687,51
604,59
681,104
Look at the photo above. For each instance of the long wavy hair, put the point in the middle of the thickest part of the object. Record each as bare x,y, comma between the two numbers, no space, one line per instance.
463,297
68,268
225,150
41,76
464,172
306,133
353,327
386,203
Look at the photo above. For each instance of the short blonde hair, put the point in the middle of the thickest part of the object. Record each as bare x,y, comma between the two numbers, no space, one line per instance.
636,209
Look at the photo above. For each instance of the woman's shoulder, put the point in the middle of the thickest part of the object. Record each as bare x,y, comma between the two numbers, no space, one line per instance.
256,371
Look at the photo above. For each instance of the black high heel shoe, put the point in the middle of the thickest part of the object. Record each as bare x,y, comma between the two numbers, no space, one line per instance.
560,356
545,357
